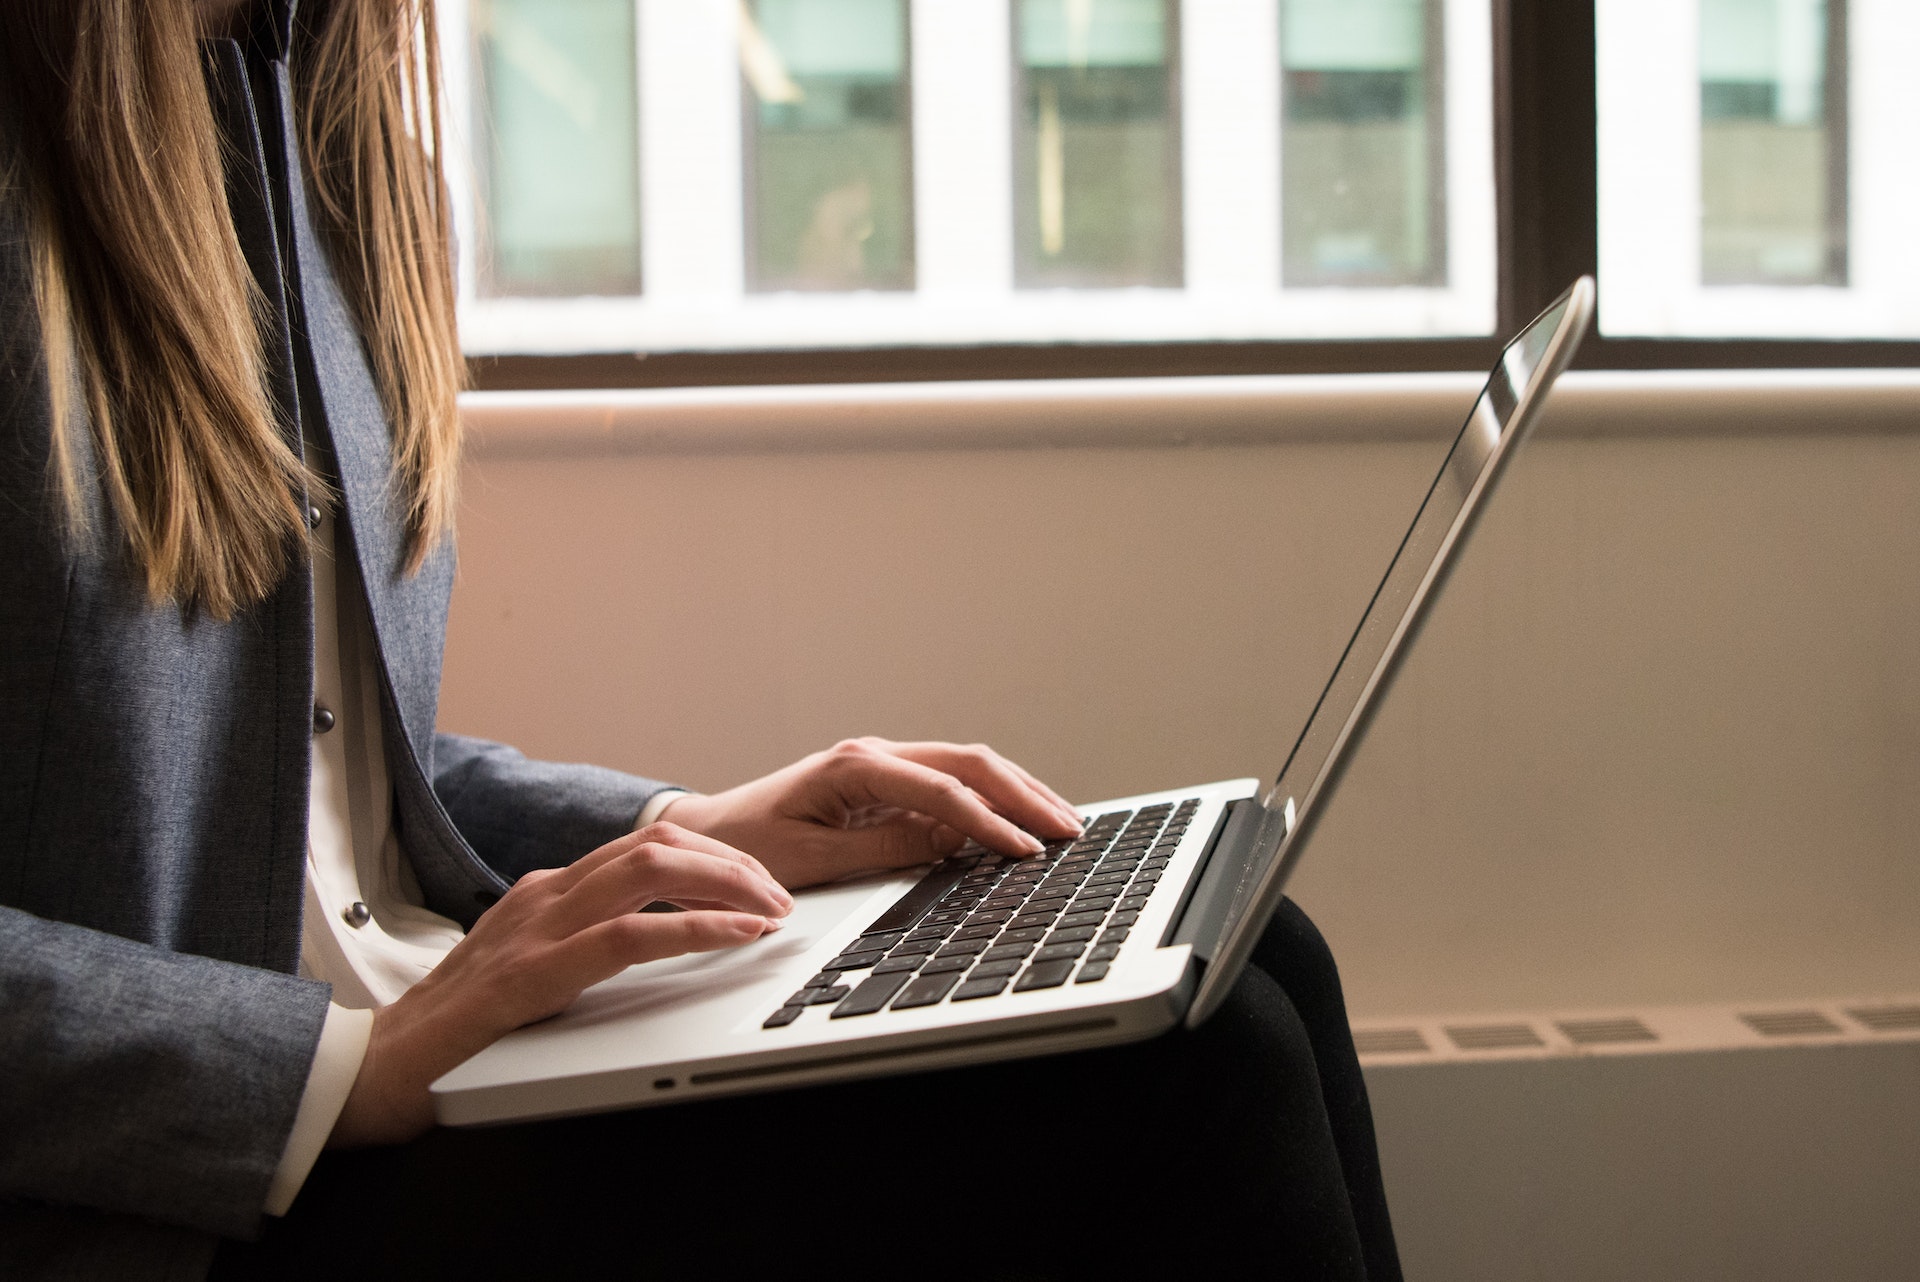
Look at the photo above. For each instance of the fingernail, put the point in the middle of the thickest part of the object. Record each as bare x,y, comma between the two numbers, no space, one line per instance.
1072,817
1033,844
774,923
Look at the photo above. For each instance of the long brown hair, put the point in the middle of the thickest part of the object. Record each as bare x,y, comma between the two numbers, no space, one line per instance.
146,304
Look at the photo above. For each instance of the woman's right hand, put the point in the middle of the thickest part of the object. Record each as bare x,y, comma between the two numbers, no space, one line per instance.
555,933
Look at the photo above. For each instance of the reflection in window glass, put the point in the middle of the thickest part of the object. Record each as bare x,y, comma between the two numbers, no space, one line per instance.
829,181
1361,177
559,173
1098,144
1772,150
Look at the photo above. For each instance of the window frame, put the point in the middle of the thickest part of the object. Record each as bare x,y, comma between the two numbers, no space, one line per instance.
1547,233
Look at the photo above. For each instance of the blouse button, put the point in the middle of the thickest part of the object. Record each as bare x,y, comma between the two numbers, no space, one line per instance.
313,516
357,914
322,719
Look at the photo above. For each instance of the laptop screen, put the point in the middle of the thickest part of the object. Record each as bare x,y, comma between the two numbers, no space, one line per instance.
1506,405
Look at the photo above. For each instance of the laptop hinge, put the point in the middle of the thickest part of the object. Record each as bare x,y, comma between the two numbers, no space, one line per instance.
1203,916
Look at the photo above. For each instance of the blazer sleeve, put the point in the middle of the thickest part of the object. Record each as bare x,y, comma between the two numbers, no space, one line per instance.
143,1081
519,814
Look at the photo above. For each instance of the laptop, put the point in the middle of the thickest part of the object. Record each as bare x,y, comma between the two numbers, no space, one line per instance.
1141,924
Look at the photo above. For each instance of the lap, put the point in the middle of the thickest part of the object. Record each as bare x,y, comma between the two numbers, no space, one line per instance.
1062,1166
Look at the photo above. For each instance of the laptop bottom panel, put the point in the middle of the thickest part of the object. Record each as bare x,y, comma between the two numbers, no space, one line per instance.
798,1007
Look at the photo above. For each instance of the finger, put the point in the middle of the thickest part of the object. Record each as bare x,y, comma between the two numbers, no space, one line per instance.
610,947
1067,807
670,835
653,870
883,778
1005,786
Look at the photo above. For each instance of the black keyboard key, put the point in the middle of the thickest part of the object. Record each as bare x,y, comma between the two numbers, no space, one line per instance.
1042,974
1103,952
1000,969
920,949
925,933
983,931
855,961
926,892
874,992
964,948
1059,952
1124,919
1072,935
942,965
947,918
895,965
1092,973
997,917
1002,952
823,996
825,979
1107,879
1115,935
979,988
876,939
1021,935
786,1015
1131,904
927,990
1030,917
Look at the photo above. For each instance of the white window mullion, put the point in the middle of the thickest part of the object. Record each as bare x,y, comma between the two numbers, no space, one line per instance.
963,148
461,139
1648,63
1884,200
691,207
1469,304
1230,127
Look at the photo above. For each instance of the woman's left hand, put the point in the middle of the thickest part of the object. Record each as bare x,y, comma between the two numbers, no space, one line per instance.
870,803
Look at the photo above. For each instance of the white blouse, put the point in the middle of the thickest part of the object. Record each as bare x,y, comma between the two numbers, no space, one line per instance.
365,929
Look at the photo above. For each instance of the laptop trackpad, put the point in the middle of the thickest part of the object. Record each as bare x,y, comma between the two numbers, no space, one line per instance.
758,974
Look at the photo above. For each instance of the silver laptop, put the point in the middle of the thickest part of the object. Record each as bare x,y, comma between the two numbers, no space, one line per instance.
1142,923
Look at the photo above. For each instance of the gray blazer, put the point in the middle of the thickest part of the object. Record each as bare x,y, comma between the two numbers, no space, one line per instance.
154,1038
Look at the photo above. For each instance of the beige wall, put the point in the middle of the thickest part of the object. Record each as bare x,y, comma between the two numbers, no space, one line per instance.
1658,745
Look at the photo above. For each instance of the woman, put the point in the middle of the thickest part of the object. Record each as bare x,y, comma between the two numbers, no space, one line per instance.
253,903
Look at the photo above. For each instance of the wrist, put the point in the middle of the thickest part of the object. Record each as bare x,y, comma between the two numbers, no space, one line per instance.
655,811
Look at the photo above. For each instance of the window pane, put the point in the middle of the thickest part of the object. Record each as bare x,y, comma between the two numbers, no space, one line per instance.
1098,147
1772,197
1361,177
829,184
559,170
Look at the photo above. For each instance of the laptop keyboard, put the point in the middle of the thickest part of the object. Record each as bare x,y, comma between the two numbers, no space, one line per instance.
980,924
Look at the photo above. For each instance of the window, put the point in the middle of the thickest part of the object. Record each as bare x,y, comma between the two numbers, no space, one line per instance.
1099,143
665,176
830,158
1755,167
1363,176
555,106
1773,173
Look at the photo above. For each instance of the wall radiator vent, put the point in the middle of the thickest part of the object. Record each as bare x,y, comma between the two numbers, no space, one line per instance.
1493,1037
1790,1023
1606,1032
1389,1041
1888,1019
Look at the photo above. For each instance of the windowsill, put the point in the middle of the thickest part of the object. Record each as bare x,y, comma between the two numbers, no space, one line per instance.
1167,412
